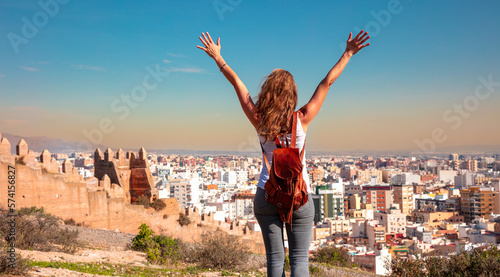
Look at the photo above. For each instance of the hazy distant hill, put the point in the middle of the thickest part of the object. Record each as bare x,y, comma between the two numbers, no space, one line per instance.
38,144
55,145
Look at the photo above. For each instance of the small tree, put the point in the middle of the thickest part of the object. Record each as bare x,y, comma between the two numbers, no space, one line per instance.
145,235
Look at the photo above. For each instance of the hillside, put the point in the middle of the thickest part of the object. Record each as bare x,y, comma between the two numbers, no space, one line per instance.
104,252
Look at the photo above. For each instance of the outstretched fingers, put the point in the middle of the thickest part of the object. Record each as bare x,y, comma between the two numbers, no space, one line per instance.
363,36
209,38
203,41
364,40
358,35
205,38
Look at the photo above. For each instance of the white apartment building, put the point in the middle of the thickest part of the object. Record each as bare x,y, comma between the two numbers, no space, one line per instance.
447,176
405,179
393,220
223,210
464,180
243,207
229,177
187,192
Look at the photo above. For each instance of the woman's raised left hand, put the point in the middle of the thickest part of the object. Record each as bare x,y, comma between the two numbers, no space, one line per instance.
355,44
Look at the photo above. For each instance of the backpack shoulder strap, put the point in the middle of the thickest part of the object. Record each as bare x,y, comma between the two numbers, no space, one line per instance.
294,129
302,152
294,135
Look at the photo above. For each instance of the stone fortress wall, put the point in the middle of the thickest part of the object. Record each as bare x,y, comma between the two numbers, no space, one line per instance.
105,201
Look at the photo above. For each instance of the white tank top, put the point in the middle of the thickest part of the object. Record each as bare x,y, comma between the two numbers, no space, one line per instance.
269,146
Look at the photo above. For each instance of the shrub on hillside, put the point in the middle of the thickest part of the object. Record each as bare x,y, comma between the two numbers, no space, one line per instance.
9,265
20,160
333,256
183,219
143,200
158,205
158,248
33,210
38,230
221,251
140,241
479,262
70,221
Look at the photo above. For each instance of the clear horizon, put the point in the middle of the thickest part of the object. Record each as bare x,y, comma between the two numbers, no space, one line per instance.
125,74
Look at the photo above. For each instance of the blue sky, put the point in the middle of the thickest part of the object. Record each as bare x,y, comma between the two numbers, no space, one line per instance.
424,58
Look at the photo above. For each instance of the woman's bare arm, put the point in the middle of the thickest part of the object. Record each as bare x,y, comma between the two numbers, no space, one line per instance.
213,50
311,109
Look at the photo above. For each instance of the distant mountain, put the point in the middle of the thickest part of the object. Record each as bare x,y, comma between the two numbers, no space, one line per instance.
38,144
200,152
54,145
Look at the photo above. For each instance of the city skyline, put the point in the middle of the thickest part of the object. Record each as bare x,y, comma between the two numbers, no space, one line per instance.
76,71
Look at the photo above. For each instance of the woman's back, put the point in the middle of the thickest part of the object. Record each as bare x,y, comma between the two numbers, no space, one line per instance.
269,146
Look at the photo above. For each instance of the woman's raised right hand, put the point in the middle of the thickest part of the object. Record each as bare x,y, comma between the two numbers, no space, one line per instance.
212,49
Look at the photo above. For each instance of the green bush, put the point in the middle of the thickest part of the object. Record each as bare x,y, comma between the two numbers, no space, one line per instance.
216,250
407,268
159,249
163,250
477,263
333,256
140,241
33,210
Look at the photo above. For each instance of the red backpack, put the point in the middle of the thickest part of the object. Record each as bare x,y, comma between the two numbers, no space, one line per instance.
286,188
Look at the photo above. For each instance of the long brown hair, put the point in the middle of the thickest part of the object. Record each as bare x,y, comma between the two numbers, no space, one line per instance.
276,103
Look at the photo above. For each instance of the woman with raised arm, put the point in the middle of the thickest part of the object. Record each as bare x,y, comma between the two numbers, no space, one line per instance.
271,117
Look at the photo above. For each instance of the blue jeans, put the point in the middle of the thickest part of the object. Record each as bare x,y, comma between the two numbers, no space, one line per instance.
272,231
